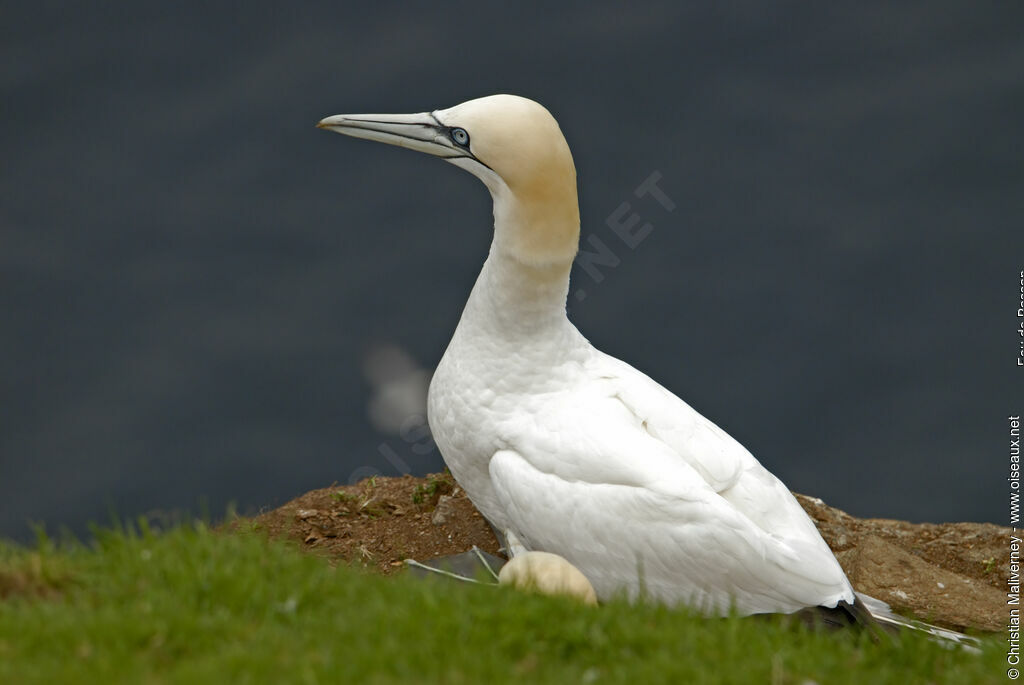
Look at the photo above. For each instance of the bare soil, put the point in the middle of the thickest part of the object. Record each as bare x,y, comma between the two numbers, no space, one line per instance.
381,522
951,574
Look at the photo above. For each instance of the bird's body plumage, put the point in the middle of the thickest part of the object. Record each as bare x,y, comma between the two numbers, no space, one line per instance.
575,452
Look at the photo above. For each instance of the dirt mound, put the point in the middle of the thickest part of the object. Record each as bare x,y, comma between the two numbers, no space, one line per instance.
381,522
952,574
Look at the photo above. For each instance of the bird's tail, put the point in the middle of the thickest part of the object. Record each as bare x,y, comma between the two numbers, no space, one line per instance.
893,623
842,615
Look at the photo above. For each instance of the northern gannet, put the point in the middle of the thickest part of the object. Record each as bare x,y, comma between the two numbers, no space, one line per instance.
568,449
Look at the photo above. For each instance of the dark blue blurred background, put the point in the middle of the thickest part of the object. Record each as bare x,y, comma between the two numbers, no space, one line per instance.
192,274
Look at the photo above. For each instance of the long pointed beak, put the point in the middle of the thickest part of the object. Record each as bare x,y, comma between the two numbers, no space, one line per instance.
421,131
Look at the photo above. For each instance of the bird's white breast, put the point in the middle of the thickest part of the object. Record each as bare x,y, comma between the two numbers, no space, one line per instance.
488,391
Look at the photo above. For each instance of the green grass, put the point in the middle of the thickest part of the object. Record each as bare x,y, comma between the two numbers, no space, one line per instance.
190,605
425,492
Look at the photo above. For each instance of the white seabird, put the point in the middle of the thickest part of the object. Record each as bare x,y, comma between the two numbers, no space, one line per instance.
570,450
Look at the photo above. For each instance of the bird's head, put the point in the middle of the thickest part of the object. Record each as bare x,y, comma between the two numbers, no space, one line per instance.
510,143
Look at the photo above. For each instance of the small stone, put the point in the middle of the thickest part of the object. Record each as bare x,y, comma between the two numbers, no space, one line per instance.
444,511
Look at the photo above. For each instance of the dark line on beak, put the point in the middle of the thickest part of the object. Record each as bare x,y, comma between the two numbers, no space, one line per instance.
389,123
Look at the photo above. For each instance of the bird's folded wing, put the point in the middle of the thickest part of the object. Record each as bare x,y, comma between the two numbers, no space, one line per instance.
711,451
722,462
633,516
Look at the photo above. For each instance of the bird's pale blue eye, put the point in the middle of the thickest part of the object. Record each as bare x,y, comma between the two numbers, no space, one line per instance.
460,136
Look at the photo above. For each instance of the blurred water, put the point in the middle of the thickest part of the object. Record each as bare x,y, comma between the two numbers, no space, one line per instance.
192,273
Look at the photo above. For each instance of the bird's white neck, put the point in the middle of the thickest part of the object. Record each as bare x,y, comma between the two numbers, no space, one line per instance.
513,300
521,291
536,221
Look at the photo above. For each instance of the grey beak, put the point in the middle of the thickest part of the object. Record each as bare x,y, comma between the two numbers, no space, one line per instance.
421,131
